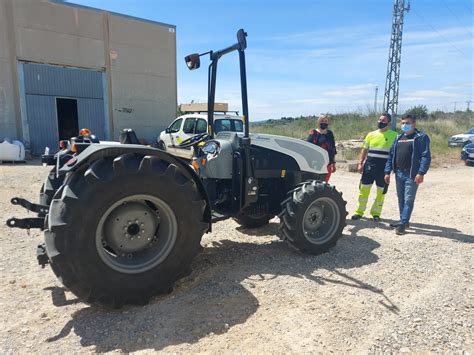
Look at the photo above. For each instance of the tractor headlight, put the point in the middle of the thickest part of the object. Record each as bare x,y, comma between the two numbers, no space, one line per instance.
211,148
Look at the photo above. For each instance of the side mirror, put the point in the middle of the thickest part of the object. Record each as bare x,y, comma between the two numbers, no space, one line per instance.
167,130
193,61
241,38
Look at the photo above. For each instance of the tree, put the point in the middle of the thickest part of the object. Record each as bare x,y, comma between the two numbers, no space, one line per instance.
179,112
420,111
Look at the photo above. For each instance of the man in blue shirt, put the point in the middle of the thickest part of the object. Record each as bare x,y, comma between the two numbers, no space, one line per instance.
410,159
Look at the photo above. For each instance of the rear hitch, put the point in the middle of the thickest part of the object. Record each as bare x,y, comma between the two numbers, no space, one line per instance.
30,206
26,223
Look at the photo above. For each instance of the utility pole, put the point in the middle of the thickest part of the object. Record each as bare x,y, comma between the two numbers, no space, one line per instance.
468,102
375,100
455,102
390,100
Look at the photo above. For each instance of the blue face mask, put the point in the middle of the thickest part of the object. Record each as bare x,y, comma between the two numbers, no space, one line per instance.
406,127
323,125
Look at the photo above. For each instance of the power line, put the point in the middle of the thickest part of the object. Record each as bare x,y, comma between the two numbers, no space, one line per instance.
459,20
444,38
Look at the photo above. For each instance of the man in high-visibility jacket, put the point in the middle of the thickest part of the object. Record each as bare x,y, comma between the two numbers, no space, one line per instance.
374,155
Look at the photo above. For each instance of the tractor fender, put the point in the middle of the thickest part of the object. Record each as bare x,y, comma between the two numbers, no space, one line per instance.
99,151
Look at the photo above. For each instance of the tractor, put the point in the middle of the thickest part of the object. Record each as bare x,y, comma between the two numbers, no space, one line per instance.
122,222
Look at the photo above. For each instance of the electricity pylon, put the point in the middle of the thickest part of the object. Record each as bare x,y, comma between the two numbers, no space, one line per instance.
390,100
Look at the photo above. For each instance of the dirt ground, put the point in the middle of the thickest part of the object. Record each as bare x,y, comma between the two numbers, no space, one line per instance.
249,292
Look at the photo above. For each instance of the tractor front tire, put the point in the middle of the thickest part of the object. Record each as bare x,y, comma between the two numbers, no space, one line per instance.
313,217
123,230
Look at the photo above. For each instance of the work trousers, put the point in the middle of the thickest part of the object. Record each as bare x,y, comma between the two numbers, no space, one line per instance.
372,173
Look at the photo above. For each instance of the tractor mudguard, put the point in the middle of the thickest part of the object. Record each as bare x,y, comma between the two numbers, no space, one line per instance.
99,151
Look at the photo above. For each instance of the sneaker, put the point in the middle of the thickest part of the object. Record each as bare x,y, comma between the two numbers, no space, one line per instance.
355,217
400,229
376,218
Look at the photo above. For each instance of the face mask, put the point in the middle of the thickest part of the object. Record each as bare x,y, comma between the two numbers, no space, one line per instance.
382,125
323,125
406,127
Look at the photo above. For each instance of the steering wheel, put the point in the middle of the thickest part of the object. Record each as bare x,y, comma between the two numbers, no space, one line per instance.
194,140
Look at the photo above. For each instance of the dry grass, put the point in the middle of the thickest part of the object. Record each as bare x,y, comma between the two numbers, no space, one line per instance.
439,126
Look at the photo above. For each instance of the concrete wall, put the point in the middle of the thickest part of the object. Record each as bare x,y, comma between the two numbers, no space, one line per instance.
139,58
8,106
143,76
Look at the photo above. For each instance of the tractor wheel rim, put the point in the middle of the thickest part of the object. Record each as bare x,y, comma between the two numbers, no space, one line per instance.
320,220
136,233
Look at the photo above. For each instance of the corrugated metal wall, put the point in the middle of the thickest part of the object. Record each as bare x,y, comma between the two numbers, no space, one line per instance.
41,79
89,110
43,83
42,123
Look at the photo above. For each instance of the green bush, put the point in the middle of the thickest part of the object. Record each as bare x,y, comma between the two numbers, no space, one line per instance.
420,111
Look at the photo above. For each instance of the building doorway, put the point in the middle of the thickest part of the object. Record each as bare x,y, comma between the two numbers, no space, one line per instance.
68,119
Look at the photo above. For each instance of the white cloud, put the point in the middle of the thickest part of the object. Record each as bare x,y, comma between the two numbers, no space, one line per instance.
410,76
424,94
352,91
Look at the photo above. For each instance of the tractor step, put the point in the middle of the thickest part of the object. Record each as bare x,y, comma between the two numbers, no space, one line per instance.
216,217
30,206
26,223
41,255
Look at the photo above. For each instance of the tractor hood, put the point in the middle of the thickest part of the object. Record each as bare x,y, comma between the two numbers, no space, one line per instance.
310,158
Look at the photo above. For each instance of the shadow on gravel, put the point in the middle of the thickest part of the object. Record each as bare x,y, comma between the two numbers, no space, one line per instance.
213,299
437,231
58,296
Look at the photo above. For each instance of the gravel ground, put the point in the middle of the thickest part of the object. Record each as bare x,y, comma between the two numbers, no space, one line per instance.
249,292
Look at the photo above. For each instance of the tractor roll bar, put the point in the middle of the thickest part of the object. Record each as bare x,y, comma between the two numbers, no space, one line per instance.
192,61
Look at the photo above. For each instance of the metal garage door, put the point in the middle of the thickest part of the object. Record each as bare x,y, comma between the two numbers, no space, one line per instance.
43,84
42,123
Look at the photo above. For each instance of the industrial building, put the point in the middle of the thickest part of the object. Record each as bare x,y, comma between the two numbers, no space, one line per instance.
65,66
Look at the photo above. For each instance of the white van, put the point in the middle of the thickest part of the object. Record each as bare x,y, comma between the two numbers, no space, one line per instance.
188,125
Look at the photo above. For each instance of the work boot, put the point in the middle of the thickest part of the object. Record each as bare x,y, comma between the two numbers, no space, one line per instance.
396,224
400,229
356,216
376,218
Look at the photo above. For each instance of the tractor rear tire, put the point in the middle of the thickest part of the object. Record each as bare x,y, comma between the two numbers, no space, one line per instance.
313,217
161,145
97,218
249,221
49,187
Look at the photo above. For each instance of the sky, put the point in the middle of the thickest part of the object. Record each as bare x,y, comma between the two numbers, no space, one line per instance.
308,57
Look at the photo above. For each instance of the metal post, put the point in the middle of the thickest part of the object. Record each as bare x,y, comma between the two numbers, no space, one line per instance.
243,86
211,95
375,100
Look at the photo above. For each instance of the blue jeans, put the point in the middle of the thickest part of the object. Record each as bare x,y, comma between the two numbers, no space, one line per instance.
406,191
